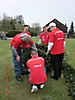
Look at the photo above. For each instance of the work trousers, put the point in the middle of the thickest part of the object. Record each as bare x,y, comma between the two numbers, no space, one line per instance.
56,62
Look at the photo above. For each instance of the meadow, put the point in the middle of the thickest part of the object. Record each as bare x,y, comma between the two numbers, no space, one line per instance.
53,90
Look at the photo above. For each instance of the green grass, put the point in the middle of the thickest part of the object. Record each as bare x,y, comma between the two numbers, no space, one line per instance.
53,90
70,50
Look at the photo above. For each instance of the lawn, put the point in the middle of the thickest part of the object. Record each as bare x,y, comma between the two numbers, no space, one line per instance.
70,50
53,90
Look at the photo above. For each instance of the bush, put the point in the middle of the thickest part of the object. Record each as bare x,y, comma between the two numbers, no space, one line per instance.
12,33
42,53
69,74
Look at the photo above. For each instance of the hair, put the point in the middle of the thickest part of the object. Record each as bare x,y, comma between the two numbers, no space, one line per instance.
27,39
44,26
26,25
34,52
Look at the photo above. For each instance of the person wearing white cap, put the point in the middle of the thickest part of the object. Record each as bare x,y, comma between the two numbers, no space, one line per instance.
56,49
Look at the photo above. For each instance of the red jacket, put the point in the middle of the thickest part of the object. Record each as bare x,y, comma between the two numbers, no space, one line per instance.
44,37
18,43
57,37
36,66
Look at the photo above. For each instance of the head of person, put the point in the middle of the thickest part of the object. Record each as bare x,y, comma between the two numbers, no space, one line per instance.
52,26
27,39
26,28
45,29
34,53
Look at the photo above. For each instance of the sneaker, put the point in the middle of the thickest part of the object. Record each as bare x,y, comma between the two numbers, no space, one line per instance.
41,86
19,78
34,89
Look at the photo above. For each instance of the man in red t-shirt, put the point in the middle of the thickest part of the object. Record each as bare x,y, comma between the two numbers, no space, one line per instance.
27,47
18,43
56,49
37,74
25,31
44,36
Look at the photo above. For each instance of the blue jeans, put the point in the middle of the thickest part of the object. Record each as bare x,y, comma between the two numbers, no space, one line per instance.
18,66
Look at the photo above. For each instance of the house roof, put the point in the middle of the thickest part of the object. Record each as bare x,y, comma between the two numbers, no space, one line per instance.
58,25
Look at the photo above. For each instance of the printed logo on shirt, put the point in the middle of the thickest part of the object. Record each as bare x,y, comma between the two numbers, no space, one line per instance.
37,66
60,38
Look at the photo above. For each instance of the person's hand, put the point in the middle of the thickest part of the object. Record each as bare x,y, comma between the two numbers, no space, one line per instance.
18,58
47,53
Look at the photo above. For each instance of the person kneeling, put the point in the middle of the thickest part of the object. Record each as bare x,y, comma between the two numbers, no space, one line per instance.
37,76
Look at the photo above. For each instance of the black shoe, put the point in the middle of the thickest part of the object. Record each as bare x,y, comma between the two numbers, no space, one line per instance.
19,78
54,78
23,73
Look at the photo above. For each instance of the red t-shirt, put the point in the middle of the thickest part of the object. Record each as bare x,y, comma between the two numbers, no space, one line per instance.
57,37
44,37
36,66
18,43
26,32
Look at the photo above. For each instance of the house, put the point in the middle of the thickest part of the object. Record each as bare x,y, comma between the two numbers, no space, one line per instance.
59,25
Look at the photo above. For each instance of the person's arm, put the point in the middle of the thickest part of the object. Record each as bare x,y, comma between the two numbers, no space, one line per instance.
50,44
33,47
64,43
39,41
14,51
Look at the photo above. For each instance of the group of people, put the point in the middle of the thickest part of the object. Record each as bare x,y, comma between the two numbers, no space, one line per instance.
55,41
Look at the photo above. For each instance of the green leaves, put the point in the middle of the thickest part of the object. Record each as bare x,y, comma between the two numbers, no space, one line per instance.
42,49
69,74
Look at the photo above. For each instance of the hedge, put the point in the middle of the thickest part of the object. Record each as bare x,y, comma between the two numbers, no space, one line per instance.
42,53
69,75
12,33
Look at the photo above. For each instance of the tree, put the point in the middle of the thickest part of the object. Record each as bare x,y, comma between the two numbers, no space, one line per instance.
19,19
35,29
71,30
8,23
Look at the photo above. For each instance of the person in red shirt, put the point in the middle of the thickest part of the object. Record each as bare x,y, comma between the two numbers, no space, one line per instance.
27,47
56,49
37,74
25,31
18,43
44,36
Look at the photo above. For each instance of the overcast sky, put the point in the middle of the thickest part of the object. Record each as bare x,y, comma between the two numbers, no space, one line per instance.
40,11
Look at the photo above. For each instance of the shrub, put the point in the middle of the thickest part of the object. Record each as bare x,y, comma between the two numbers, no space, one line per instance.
42,53
69,74
12,33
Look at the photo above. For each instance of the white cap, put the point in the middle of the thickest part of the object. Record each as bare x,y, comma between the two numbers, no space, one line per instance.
52,24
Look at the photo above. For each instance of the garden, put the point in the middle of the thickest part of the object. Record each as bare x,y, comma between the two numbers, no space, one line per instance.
62,89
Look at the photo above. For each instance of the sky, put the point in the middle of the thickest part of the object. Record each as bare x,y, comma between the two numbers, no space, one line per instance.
40,11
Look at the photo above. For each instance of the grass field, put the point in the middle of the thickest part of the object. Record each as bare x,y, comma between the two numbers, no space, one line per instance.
53,90
70,50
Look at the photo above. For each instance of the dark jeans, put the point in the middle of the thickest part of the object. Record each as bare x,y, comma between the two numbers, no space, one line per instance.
18,66
56,62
